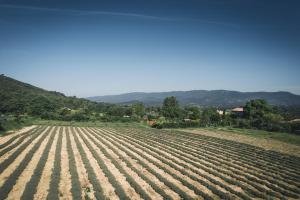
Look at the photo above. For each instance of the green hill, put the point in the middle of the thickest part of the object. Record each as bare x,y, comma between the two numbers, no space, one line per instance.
19,97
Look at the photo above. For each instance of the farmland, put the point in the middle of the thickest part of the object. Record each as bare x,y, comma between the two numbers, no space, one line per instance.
64,162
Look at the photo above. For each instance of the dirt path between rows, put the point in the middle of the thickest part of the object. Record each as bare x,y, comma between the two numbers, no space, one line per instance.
11,134
108,189
19,187
166,175
86,187
143,170
10,169
267,144
148,189
65,179
44,184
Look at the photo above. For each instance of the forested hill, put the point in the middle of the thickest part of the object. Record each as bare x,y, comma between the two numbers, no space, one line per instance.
219,98
19,97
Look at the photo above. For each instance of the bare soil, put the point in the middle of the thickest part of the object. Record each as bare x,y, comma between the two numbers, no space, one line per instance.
267,144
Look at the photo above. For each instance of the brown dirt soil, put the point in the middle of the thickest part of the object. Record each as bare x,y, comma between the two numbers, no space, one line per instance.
162,172
19,188
201,187
7,154
82,174
65,178
8,171
137,166
108,189
147,188
11,134
44,184
267,144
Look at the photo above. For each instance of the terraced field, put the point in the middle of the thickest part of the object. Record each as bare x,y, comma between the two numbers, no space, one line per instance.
132,163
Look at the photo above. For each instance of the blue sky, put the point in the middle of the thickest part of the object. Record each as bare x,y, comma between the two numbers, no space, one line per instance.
88,48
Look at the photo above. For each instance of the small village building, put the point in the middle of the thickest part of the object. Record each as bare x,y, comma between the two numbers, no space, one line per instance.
239,111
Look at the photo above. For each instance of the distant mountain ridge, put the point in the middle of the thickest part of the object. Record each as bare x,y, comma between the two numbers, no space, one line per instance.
217,98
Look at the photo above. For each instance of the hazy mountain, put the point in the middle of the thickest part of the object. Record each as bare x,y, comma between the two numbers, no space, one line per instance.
220,98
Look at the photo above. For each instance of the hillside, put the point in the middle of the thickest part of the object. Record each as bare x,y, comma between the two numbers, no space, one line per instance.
19,97
220,98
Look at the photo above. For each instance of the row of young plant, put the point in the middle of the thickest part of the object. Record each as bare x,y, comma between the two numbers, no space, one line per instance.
75,183
212,159
98,190
241,174
182,180
18,142
111,178
12,179
138,188
53,192
216,182
31,186
19,150
262,165
162,150
141,174
14,138
246,163
174,164
251,151
213,156
148,167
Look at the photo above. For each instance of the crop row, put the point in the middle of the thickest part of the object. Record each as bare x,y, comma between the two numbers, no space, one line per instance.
14,138
75,187
53,192
21,139
251,178
261,189
31,186
11,180
175,176
235,147
219,153
212,180
215,162
130,180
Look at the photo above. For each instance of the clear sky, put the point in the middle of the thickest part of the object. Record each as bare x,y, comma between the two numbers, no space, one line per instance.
88,48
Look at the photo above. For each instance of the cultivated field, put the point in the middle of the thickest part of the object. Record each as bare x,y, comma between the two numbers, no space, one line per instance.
134,163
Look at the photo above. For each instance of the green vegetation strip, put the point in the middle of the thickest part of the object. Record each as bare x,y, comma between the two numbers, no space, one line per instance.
21,139
140,174
247,150
179,191
20,136
111,178
31,186
158,154
138,188
251,180
217,153
12,179
13,156
53,192
75,188
98,191
211,187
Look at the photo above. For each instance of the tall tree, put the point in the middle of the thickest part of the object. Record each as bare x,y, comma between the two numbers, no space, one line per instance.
170,108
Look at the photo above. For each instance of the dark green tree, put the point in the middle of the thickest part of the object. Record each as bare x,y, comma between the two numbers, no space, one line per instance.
192,112
170,108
